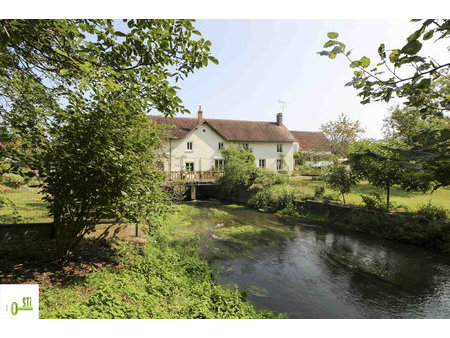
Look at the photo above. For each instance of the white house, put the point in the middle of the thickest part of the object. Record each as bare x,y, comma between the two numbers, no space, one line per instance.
195,143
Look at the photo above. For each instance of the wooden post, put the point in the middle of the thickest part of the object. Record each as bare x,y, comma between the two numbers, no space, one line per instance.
193,192
136,229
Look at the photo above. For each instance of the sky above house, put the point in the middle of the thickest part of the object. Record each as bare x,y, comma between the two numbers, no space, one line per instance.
264,61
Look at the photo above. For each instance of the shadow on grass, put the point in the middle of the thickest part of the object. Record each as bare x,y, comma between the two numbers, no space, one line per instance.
32,259
41,205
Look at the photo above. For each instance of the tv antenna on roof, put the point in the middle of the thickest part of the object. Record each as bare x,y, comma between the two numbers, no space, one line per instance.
283,104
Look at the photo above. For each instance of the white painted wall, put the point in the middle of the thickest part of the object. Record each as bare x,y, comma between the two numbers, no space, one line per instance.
205,150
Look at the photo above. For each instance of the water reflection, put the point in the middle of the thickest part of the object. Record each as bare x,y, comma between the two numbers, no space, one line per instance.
312,272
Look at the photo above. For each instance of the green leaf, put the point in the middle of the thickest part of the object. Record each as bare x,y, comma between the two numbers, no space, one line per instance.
428,35
382,51
332,35
332,55
414,36
64,72
425,83
213,60
355,64
412,48
393,57
329,43
365,62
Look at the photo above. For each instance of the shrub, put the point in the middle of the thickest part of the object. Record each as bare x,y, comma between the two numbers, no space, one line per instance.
319,191
284,199
432,212
373,201
261,199
240,170
308,170
12,180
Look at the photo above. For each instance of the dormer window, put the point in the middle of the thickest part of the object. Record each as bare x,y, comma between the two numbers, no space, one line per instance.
189,146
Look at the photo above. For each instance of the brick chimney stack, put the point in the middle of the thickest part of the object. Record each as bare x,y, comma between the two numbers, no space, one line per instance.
200,114
279,119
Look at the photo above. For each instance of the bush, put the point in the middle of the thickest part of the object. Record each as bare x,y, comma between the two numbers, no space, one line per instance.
268,198
432,212
12,180
374,202
308,170
319,191
262,199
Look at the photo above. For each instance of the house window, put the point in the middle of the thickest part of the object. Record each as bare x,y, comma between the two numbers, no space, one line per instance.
245,146
189,166
220,145
218,164
279,148
189,146
262,163
279,164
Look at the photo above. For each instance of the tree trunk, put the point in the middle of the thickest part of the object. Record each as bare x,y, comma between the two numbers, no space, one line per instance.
387,197
343,198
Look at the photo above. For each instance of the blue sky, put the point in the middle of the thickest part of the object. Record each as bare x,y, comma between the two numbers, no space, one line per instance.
263,61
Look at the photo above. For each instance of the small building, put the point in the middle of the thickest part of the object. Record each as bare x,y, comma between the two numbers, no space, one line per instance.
195,143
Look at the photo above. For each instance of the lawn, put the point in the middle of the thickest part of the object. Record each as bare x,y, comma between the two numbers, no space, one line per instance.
32,208
28,202
412,200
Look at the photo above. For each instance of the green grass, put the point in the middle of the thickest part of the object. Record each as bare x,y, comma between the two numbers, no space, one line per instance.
412,200
28,202
164,279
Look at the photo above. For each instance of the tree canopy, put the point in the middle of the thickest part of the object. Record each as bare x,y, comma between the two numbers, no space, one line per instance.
74,98
341,133
422,85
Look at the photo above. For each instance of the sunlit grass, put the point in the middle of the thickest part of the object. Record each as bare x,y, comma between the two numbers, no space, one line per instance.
28,203
412,200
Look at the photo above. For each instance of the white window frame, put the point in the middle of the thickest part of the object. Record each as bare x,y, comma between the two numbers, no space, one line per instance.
263,161
220,145
191,164
221,163
279,165
189,146
279,148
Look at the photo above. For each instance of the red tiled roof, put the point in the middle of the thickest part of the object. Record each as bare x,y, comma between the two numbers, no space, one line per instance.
231,130
183,125
311,140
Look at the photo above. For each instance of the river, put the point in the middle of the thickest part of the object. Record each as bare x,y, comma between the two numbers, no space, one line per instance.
310,271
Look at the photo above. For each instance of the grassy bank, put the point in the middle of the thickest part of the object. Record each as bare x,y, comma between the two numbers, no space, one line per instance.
412,200
164,279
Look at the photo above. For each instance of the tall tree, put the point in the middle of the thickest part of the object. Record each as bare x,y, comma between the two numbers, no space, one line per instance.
341,133
75,93
378,163
239,169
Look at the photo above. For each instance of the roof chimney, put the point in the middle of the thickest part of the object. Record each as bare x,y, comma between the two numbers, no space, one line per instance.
200,114
279,119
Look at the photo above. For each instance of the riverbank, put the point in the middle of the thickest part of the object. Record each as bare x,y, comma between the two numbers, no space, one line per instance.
313,271
163,276
405,228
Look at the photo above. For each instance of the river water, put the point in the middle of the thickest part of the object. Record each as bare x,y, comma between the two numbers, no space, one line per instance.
310,271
